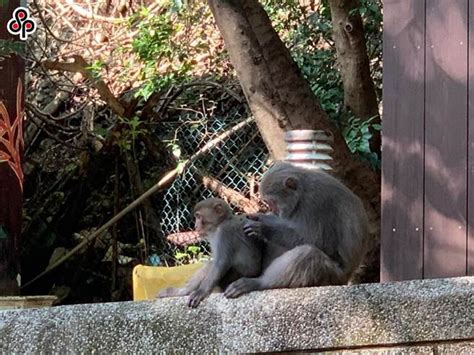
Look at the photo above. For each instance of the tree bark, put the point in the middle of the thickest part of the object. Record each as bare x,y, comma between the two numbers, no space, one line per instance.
253,73
11,144
281,99
279,96
294,92
349,38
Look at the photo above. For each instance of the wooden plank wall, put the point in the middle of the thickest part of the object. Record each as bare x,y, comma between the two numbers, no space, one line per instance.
428,140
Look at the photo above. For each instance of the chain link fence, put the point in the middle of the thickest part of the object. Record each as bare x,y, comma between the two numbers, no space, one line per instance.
238,163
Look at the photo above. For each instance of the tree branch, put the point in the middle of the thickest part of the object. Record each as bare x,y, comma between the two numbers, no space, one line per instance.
232,196
81,66
164,181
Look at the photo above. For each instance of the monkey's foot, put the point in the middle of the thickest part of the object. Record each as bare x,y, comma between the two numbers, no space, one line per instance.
241,287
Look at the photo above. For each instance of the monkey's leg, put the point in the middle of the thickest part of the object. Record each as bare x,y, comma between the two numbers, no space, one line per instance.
302,266
193,284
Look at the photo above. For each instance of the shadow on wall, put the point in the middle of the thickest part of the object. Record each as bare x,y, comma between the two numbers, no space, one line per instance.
425,140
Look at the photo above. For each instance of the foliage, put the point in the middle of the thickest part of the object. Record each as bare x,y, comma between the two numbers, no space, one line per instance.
153,55
357,134
127,137
96,68
371,12
308,35
173,46
191,254
165,61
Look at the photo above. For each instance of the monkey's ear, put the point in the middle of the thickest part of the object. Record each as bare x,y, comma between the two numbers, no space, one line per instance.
291,183
218,208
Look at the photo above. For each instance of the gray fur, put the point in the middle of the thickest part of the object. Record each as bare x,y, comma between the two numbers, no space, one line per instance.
234,255
321,230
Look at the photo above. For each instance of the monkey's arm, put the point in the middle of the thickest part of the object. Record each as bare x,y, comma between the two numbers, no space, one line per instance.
272,229
216,272
220,265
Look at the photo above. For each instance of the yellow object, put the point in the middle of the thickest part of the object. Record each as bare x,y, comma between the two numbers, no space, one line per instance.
149,280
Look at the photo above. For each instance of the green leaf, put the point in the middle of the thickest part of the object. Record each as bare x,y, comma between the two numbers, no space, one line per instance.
193,249
178,255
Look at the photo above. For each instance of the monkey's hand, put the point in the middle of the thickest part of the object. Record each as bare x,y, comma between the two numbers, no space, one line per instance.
254,229
196,297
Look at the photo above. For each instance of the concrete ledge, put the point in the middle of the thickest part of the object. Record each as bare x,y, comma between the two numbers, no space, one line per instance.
414,312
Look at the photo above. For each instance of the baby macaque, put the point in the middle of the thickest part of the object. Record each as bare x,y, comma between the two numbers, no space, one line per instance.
234,255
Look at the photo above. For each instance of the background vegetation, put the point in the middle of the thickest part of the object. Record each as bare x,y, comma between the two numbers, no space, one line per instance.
109,88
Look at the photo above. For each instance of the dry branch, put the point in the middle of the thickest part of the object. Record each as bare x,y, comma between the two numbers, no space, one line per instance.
91,16
81,66
230,195
114,20
164,181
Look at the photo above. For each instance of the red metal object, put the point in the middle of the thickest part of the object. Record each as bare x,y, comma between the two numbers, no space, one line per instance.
11,144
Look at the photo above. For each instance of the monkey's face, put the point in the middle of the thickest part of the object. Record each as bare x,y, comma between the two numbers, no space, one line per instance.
204,223
208,215
281,193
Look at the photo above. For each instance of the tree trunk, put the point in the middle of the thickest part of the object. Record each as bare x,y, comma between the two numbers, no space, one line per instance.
349,38
253,72
294,92
11,143
279,96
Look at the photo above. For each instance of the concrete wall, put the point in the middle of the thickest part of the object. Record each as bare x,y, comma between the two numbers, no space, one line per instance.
430,314
444,348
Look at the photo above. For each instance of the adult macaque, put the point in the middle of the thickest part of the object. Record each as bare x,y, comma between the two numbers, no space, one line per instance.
317,234
234,255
